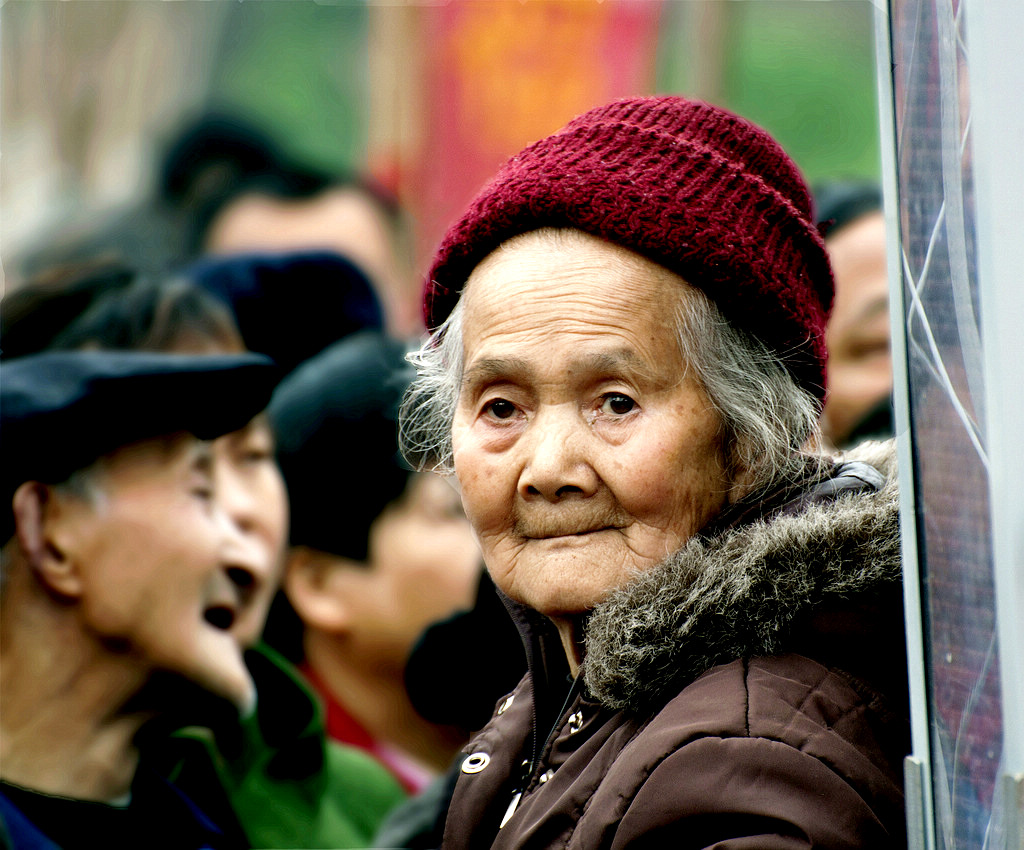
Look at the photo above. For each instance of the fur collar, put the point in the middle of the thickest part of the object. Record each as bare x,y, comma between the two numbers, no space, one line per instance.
738,594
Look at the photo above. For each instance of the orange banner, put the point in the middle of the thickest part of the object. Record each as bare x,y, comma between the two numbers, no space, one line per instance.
502,74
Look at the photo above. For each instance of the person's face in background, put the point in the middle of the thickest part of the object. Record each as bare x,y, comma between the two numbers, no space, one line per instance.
424,562
345,220
860,360
159,565
248,485
422,565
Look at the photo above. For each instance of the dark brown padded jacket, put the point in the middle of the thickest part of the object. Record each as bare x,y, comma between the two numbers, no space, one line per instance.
750,692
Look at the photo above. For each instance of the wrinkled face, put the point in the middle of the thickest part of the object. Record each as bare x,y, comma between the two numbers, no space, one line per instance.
249,487
158,562
423,564
859,356
585,449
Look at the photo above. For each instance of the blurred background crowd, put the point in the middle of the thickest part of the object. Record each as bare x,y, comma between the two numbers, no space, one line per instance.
272,177
424,99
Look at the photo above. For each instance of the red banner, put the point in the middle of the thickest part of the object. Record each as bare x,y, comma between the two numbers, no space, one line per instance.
499,75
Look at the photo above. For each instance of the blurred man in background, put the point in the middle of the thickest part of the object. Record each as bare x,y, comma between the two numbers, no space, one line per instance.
858,405
378,552
226,187
285,784
126,589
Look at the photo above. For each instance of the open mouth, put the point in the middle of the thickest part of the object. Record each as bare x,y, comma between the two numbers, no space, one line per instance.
220,617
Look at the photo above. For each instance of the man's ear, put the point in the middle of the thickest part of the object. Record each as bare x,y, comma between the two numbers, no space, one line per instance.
39,520
309,583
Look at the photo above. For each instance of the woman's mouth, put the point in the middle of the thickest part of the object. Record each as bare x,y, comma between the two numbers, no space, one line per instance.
558,533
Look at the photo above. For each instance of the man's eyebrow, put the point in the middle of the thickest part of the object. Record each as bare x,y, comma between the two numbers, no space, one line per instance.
202,456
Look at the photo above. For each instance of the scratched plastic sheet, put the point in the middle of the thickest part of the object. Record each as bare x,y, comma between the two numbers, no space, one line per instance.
951,462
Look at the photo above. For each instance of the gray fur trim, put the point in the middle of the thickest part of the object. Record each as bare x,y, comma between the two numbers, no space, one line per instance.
737,594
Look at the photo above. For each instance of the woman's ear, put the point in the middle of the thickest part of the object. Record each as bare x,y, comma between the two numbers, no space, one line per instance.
43,532
308,584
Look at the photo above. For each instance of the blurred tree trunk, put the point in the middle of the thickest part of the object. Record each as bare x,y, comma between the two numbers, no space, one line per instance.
710,23
694,48
88,91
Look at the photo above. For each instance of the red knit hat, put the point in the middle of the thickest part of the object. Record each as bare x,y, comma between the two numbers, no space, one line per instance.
690,186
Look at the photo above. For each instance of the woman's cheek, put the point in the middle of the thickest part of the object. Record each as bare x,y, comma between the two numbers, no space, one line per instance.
476,496
468,461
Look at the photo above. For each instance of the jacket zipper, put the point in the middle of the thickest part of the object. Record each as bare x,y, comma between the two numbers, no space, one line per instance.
529,766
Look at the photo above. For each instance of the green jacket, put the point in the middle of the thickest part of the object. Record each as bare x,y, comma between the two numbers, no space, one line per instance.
276,775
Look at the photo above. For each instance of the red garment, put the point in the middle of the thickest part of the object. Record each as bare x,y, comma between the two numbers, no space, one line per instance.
342,726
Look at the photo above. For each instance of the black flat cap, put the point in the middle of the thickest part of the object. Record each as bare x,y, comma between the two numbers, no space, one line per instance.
291,306
837,203
336,419
61,410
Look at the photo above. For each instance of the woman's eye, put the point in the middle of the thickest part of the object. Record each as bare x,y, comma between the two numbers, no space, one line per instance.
617,403
499,408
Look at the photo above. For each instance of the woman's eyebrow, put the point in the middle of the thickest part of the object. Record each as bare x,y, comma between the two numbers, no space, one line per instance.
490,369
608,361
623,362
494,368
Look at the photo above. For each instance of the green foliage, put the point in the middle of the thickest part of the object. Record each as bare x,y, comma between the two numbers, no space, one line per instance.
804,70
300,69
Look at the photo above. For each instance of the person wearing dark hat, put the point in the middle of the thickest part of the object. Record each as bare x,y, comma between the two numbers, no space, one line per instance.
285,783
858,404
378,552
625,375
351,216
122,584
241,192
290,306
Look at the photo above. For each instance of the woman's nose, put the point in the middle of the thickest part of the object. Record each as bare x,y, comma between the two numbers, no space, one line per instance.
557,464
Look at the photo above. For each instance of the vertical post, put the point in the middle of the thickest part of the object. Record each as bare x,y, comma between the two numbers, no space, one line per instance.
917,769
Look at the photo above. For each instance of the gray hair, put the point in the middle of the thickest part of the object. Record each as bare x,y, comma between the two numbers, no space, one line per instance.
768,420
87,484
771,425
83,484
428,407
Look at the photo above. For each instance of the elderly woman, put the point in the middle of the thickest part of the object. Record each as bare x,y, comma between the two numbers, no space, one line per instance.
625,376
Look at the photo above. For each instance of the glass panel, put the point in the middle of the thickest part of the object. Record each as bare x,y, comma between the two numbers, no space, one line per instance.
937,224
